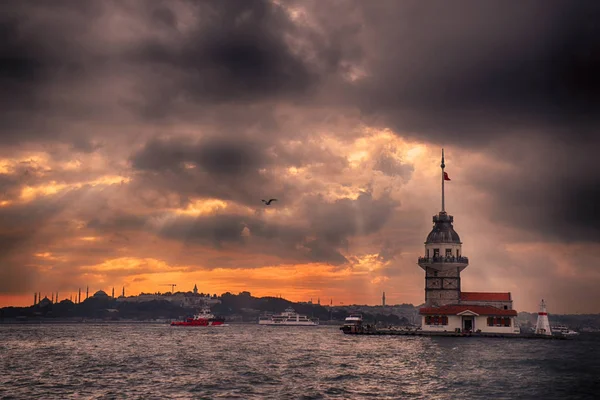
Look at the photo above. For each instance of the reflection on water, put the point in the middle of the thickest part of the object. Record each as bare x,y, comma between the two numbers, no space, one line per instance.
248,361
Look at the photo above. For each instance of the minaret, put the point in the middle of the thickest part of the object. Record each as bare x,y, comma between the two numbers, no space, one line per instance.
443,260
87,292
383,299
543,325
123,294
113,292
57,297
35,298
52,300
79,298
195,289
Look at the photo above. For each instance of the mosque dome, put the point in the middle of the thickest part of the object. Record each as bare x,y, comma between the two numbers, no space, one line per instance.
443,231
100,294
45,302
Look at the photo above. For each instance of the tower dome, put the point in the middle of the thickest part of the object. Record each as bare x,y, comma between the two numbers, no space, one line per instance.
443,231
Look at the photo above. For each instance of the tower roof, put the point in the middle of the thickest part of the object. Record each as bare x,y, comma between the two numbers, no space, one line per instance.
457,309
485,296
443,231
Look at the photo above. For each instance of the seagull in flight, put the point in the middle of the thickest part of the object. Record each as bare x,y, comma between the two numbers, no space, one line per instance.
268,202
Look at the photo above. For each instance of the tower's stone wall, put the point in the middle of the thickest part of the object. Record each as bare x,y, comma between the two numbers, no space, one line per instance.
443,261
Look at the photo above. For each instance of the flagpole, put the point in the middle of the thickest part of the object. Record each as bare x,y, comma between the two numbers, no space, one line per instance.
443,166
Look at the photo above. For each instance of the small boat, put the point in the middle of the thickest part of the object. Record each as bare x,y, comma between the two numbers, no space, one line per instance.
288,318
352,324
203,318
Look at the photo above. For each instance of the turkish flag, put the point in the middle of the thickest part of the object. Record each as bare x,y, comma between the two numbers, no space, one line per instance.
446,176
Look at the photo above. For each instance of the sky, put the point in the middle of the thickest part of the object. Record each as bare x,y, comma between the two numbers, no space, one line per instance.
139,137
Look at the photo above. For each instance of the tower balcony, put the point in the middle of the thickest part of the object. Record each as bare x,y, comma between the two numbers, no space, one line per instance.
443,262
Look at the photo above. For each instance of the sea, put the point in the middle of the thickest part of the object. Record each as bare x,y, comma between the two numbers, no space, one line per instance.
155,361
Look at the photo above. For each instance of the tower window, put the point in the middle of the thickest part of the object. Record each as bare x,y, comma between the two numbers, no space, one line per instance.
436,252
448,252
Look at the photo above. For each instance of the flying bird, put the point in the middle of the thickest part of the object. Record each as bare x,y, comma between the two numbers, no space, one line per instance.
268,202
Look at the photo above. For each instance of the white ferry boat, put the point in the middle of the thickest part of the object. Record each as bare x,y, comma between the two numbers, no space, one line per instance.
288,318
563,330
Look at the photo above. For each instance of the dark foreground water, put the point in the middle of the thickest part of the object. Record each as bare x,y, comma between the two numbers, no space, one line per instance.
254,362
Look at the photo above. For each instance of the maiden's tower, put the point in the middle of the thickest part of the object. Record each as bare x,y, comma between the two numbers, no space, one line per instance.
446,307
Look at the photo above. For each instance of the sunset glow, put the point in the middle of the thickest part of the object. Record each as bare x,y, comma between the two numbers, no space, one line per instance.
140,154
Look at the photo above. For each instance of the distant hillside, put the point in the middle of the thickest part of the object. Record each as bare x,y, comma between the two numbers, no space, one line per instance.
244,307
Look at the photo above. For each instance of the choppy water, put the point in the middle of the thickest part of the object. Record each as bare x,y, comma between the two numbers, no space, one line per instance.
255,362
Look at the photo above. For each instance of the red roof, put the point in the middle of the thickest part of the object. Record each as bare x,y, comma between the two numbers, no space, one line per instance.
457,309
484,296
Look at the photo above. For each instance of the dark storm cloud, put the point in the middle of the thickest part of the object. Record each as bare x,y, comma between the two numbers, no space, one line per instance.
120,222
216,230
39,53
70,63
214,156
320,234
212,167
323,252
237,52
475,69
289,242
336,221
243,169
9,185
550,190
485,76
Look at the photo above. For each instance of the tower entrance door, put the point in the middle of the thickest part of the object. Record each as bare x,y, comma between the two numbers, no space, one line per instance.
467,324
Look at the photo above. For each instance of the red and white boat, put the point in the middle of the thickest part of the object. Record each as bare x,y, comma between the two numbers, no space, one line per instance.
203,318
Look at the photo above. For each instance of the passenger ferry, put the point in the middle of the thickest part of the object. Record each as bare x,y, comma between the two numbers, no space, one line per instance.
288,318
562,330
352,324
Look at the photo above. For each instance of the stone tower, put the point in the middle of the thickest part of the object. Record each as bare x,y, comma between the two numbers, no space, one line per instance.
443,260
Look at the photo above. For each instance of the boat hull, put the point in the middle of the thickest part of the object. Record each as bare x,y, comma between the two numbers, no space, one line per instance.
198,322
270,323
